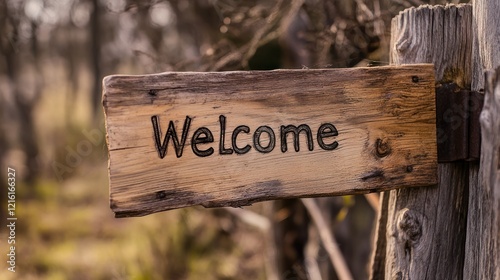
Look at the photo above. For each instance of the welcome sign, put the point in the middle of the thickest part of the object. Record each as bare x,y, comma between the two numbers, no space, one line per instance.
234,138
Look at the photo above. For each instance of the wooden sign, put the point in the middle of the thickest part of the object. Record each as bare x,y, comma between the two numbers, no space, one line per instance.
234,138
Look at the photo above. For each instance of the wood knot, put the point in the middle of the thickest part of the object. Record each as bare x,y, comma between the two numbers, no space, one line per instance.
382,148
415,79
152,92
402,45
410,226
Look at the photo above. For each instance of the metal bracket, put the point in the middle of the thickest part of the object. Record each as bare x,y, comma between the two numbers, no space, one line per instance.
457,122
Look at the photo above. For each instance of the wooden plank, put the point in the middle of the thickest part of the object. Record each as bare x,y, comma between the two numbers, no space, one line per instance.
421,231
362,130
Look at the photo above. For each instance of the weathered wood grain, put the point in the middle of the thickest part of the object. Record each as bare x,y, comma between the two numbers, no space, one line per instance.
385,119
435,34
486,40
421,231
481,260
489,236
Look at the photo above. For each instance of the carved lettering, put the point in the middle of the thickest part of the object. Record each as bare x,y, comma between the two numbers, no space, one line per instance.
285,130
325,137
256,139
222,149
202,135
236,131
324,131
178,146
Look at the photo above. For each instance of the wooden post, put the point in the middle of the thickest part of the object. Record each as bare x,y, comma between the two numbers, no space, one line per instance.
486,44
483,221
489,235
421,231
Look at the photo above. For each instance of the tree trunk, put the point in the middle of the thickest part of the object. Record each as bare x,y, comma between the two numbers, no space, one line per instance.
96,58
421,231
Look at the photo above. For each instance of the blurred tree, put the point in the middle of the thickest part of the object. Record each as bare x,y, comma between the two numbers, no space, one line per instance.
95,38
20,46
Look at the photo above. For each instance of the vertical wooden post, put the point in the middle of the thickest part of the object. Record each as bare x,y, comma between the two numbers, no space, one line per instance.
483,221
421,231
490,179
486,44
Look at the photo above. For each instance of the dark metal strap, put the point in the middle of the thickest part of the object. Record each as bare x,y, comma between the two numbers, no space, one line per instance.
457,121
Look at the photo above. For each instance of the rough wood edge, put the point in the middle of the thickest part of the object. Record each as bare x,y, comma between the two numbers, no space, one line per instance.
249,200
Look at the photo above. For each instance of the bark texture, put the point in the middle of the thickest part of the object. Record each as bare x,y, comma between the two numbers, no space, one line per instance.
482,248
421,232
489,235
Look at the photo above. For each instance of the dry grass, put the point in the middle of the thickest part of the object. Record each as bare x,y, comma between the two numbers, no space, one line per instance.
66,230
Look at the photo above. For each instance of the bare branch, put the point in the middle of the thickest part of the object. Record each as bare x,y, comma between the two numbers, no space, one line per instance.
373,200
331,247
250,218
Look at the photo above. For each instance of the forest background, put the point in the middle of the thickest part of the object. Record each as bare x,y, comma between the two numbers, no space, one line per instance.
53,56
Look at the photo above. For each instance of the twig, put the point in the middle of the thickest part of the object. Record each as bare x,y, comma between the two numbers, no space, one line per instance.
254,43
379,22
291,15
251,218
263,36
363,8
373,200
311,251
328,240
271,265
237,55
264,224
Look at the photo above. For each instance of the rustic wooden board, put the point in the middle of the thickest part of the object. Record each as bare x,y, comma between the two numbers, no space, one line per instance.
377,132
